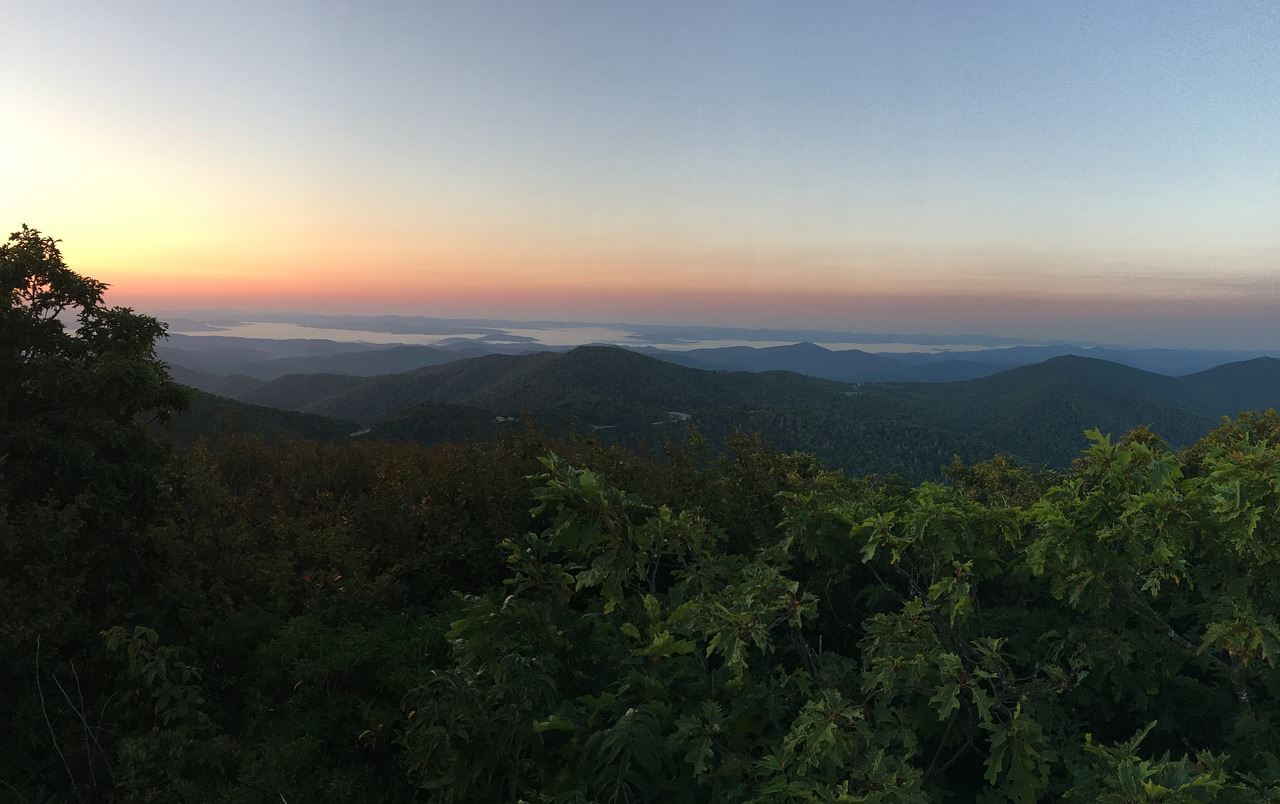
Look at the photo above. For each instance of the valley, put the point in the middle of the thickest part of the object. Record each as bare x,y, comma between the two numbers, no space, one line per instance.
1034,413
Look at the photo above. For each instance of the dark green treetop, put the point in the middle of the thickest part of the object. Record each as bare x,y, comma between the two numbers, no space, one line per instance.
80,474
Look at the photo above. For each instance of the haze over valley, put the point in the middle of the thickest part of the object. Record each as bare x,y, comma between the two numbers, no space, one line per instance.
1023,170
569,401
863,411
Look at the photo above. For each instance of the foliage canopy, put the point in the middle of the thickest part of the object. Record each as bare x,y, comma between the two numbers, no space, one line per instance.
527,618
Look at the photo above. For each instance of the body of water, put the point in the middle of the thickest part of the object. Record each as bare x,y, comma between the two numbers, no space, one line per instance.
560,335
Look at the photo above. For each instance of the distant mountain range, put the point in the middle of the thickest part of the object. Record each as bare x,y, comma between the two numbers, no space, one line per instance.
267,359
1034,412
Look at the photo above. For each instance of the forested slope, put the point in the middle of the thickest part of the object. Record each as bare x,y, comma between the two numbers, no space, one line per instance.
525,618
1036,413
210,417
1247,385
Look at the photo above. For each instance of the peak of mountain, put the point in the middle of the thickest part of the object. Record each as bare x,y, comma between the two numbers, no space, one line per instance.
1074,365
591,375
1257,367
846,365
1233,387
267,359
1073,370
1037,412
801,348
598,354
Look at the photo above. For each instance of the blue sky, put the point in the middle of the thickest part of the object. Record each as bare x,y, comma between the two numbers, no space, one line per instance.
1102,171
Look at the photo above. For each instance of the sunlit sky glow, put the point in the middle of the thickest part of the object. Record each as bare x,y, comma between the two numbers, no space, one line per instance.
1104,171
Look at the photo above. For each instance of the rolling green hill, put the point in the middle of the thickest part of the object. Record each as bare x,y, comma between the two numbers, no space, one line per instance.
1035,413
1247,385
305,393
591,381
210,416
432,422
1038,412
227,385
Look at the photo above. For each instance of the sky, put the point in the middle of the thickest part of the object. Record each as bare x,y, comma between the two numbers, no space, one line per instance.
1106,171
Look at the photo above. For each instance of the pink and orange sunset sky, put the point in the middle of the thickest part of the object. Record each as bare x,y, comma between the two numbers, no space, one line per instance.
1103,171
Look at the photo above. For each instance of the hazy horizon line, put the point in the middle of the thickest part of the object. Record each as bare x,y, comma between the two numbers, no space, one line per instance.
635,334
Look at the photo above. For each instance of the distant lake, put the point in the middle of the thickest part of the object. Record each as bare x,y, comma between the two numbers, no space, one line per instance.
276,331
542,336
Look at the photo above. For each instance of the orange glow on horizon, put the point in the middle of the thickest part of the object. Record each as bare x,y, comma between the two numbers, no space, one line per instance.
457,274
765,306
569,284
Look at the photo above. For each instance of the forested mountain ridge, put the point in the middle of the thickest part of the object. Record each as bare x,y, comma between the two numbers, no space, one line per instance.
367,363
217,354
854,365
305,393
636,401
576,380
527,618
1037,412
229,385
1247,385
267,359
210,417
1034,412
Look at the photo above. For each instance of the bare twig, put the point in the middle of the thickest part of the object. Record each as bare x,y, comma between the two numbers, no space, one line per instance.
962,750
88,752
15,790
942,743
89,732
48,723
